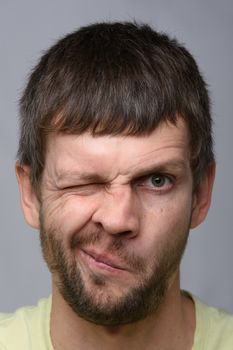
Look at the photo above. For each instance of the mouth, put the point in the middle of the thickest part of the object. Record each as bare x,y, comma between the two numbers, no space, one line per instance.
101,261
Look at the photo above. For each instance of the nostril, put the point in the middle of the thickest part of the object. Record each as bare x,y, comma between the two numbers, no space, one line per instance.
126,234
99,225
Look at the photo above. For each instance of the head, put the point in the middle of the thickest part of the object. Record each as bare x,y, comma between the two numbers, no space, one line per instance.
115,95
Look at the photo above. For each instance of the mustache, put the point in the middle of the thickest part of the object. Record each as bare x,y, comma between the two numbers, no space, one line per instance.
116,246
85,238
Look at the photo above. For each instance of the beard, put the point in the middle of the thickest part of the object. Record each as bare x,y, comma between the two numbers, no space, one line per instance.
93,303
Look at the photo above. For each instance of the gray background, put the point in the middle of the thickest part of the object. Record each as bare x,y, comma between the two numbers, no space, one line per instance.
27,28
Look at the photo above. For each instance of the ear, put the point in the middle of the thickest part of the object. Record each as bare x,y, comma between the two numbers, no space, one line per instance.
202,197
29,201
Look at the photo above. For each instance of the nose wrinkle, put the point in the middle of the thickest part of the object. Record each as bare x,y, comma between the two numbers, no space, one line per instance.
111,188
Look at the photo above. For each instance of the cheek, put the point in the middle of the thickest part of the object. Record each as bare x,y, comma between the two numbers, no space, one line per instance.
69,214
165,219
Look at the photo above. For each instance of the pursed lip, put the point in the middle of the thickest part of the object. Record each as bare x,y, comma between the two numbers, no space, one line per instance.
104,259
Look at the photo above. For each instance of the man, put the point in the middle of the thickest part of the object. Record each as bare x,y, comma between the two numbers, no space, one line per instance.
115,166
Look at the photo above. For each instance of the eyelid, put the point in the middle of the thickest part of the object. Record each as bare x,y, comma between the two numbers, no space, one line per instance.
156,173
82,189
82,185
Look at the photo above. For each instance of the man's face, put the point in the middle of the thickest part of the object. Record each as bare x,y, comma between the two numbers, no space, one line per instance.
114,219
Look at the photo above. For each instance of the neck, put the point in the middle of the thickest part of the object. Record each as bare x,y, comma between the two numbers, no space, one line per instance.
170,327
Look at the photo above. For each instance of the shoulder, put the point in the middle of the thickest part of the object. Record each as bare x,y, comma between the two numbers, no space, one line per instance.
19,330
214,328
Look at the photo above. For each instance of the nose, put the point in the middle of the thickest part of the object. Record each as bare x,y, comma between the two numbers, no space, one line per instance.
117,213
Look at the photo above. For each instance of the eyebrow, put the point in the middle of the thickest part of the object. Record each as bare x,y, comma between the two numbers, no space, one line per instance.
91,177
80,175
164,166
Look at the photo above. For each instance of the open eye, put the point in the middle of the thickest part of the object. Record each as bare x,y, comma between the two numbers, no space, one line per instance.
157,182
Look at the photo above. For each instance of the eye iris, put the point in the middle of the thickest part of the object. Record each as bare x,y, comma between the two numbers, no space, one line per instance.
158,181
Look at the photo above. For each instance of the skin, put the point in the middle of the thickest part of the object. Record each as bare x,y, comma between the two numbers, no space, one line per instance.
119,198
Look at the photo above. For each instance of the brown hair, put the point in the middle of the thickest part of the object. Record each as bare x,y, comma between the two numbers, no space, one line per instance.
114,78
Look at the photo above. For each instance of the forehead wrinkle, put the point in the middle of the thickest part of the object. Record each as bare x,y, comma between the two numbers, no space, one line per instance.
143,165
137,159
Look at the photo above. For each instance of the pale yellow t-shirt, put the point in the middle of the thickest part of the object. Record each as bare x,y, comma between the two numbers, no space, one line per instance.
28,328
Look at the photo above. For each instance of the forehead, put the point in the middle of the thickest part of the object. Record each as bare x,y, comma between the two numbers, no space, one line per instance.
166,142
